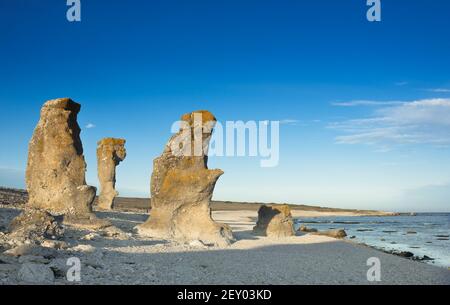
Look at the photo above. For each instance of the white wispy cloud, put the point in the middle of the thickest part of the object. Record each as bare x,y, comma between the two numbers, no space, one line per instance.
356,103
90,125
289,122
401,83
439,90
415,122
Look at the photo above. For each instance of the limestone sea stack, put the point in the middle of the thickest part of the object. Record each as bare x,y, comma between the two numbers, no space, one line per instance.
110,152
182,186
274,221
55,174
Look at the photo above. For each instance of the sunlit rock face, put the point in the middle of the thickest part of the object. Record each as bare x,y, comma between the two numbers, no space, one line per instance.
274,221
55,174
182,186
110,152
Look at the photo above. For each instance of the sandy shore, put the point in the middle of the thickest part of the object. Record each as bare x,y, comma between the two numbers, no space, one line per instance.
303,259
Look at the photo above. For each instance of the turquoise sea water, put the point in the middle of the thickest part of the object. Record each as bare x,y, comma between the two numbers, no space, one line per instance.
423,234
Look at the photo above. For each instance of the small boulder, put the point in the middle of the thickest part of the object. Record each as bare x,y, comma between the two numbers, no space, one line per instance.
274,221
338,233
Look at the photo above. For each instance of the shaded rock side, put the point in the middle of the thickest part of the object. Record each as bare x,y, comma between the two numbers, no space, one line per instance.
274,221
110,152
182,186
55,174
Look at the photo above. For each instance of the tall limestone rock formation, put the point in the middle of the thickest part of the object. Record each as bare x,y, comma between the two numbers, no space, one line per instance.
110,152
274,221
182,186
55,174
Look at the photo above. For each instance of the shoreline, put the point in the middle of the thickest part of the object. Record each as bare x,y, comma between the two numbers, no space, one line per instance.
131,259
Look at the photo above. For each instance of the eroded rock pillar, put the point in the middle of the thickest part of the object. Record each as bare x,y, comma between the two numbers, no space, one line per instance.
55,174
182,186
110,152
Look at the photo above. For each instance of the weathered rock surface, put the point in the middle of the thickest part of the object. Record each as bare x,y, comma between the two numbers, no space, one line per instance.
274,221
35,226
36,274
110,152
338,233
55,174
182,186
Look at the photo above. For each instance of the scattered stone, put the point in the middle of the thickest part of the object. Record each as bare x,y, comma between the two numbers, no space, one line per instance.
83,248
110,152
352,237
442,236
36,274
364,230
55,244
56,167
182,187
305,229
339,233
274,221
35,225
411,232
90,236
389,231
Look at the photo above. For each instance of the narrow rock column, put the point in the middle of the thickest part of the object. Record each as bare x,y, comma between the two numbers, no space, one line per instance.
110,152
55,174
274,221
182,186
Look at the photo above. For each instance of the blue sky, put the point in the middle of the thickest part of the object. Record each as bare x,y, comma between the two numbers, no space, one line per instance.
365,106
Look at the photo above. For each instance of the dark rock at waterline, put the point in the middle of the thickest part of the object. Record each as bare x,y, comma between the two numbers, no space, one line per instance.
406,254
426,258
411,232
364,230
442,236
388,231
352,237
442,239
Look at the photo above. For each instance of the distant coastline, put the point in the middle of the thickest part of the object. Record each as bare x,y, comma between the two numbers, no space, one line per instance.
19,196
